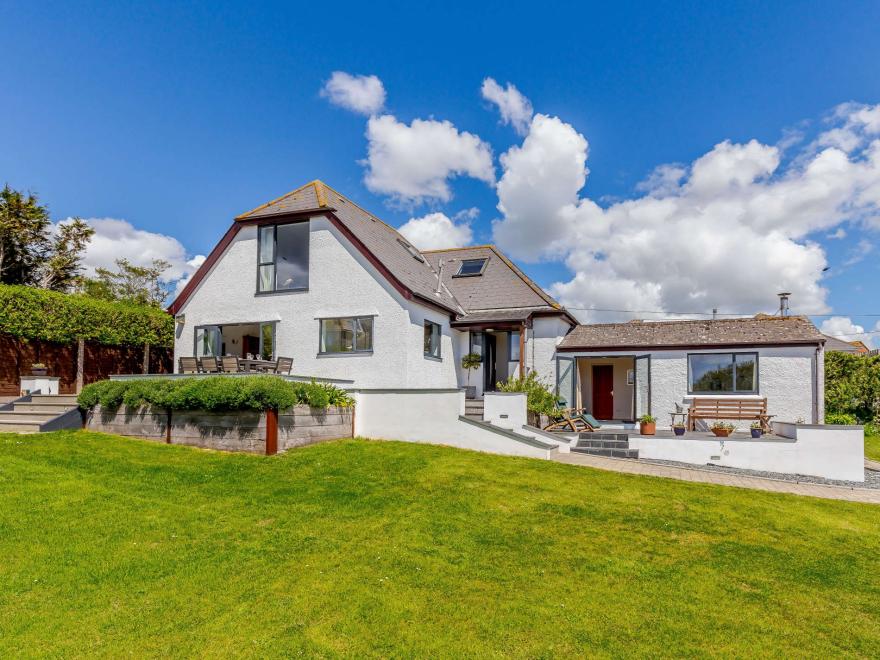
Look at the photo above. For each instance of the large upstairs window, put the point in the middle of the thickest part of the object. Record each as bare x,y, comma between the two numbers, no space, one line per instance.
283,257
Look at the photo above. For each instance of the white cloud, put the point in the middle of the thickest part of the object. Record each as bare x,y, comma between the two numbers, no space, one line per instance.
361,94
413,162
838,233
861,250
844,328
728,231
515,108
118,239
436,231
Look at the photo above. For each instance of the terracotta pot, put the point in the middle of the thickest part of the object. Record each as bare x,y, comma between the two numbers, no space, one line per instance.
721,433
648,429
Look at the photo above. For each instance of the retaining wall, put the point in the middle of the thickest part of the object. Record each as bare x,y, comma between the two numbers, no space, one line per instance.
229,431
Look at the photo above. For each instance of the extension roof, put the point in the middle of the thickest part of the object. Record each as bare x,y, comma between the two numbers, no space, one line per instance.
764,330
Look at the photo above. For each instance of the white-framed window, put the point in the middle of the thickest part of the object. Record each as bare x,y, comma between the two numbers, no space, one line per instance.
352,334
433,335
722,373
283,257
472,267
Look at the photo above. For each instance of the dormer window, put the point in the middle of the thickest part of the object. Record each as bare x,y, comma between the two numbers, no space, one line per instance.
283,257
471,267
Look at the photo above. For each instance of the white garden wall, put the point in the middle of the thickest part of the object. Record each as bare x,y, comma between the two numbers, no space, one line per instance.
831,452
341,283
435,417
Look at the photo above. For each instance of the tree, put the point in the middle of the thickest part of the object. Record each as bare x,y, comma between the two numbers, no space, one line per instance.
61,270
137,284
24,226
32,251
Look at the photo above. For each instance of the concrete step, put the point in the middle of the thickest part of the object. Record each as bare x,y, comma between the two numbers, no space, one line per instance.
603,444
613,453
66,399
56,408
603,435
19,427
12,415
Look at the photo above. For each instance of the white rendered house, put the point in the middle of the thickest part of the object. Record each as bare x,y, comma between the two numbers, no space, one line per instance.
314,277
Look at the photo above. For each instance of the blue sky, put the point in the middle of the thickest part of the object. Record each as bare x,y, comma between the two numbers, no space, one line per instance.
177,118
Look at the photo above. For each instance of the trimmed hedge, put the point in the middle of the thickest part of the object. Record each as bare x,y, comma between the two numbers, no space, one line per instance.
32,313
216,393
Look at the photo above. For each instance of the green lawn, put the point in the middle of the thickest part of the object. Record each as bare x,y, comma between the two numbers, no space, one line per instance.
872,447
111,546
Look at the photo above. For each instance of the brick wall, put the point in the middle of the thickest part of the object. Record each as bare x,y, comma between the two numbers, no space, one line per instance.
101,361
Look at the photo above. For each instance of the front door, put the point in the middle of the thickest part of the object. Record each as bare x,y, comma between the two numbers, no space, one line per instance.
489,354
603,391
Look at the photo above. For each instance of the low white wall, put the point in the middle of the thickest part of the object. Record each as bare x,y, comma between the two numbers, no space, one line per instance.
434,417
831,452
505,409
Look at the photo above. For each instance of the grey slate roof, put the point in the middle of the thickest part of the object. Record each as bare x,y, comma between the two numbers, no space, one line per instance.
502,292
647,334
502,286
382,240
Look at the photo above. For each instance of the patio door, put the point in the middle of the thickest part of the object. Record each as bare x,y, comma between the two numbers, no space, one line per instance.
642,385
565,381
209,340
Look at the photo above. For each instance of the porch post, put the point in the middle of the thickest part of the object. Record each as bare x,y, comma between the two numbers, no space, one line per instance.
522,350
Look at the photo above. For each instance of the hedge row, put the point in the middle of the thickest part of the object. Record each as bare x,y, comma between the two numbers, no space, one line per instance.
852,386
32,313
216,393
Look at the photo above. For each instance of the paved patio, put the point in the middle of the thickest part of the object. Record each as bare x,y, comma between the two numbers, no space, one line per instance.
870,496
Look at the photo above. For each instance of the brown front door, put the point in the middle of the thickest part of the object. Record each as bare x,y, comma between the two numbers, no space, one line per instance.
603,396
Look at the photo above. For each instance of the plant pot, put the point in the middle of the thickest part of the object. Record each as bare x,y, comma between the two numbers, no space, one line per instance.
470,392
37,371
721,433
648,429
679,430
757,433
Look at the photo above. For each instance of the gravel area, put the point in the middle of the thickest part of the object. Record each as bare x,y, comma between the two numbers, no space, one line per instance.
872,477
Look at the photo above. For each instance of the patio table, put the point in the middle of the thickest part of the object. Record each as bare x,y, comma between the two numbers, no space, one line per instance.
258,366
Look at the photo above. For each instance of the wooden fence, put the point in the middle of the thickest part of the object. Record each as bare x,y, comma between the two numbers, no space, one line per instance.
76,363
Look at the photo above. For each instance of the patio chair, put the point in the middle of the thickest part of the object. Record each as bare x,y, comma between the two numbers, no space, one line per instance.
230,364
575,420
188,365
209,365
283,365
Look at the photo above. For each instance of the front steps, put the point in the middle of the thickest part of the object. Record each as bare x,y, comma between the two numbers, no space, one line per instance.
40,412
615,445
473,409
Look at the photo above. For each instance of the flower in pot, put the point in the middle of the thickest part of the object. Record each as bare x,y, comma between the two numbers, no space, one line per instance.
38,369
757,429
647,425
722,429
679,428
468,363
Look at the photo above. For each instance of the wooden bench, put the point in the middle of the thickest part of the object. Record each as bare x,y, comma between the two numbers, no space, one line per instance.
729,408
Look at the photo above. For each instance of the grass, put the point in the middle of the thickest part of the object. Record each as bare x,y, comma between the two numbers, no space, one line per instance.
872,447
111,546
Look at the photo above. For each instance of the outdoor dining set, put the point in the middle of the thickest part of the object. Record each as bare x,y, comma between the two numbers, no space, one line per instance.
231,364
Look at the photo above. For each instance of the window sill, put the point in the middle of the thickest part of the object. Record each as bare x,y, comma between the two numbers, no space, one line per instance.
345,354
280,292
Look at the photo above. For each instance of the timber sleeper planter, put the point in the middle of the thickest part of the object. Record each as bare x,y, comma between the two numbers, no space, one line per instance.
266,432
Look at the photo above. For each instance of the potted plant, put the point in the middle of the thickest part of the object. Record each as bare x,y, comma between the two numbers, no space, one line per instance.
38,369
679,428
469,362
757,430
722,429
647,425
